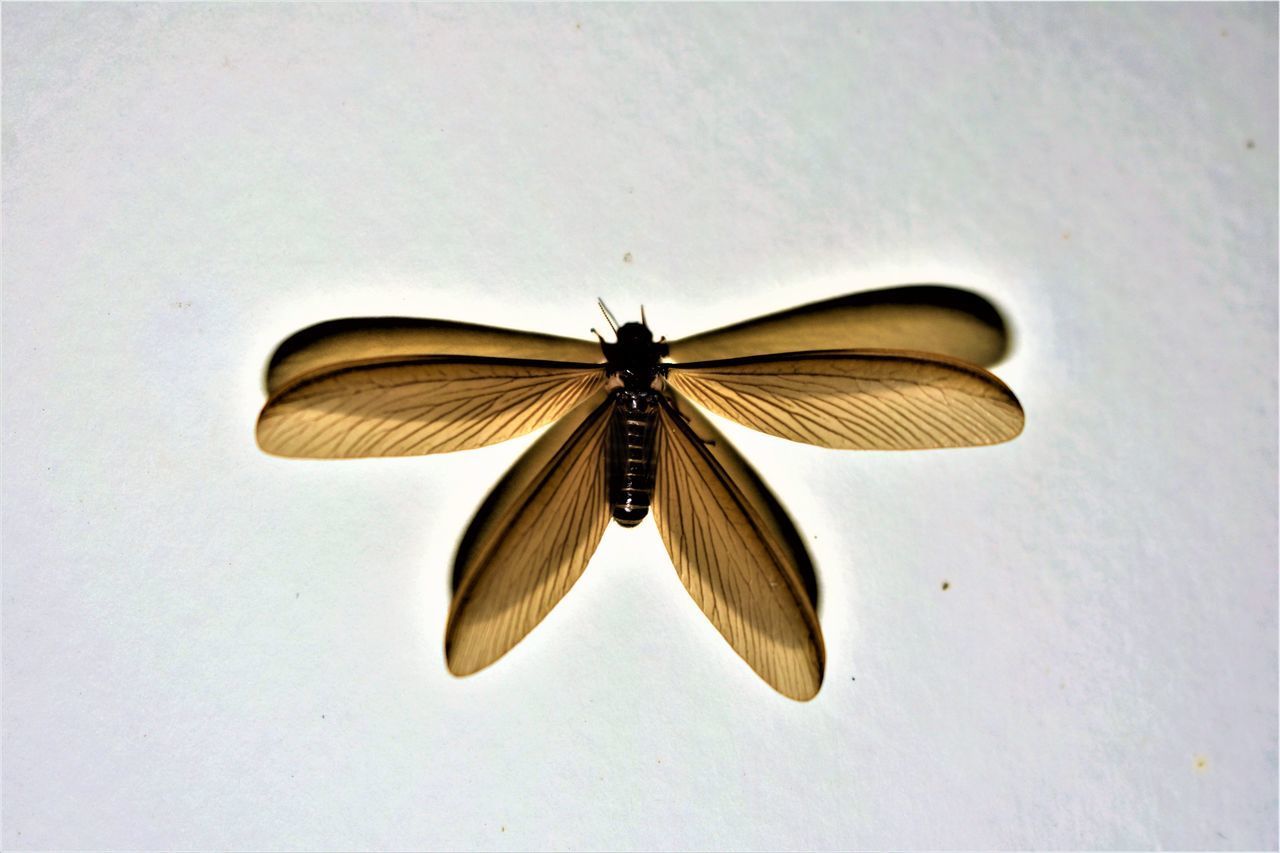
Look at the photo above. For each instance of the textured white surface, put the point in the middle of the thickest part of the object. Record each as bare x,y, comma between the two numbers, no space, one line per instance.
206,647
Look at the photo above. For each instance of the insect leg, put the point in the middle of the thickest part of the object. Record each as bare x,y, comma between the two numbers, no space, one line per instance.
675,407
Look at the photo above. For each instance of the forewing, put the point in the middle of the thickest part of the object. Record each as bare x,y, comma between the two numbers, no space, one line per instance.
924,318
859,400
737,552
358,339
407,407
531,539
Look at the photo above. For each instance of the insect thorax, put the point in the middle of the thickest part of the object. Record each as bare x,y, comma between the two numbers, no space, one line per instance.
635,360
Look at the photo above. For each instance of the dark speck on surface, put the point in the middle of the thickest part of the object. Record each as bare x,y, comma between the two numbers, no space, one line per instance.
626,258
1248,143
946,585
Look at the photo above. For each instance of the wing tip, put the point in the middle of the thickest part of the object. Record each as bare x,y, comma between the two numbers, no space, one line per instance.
262,436
467,652
808,696
1014,417
461,658
268,442
458,669
799,679
1019,426
803,692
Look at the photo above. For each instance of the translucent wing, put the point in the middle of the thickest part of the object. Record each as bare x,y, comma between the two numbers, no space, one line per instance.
531,539
859,400
337,342
411,406
737,552
923,318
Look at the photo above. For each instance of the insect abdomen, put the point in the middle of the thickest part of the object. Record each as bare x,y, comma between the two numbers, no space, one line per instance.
631,456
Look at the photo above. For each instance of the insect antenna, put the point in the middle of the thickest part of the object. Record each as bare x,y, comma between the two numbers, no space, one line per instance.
643,321
608,315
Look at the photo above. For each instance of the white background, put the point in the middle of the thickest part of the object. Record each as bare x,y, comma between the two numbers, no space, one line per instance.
208,647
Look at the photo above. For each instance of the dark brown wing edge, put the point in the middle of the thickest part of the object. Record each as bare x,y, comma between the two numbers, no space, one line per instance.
737,552
335,342
925,318
531,539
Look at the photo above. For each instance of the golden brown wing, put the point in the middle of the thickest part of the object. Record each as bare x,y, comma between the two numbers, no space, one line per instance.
857,400
923,318
737,552
353,339
531,539
406,407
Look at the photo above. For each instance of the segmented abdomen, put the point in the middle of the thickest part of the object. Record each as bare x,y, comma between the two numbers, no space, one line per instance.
631,456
